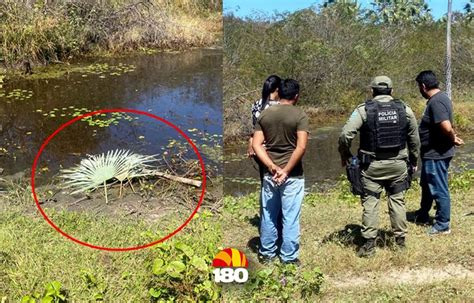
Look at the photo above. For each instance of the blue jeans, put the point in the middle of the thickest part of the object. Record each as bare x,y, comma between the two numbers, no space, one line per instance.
434,186
285,199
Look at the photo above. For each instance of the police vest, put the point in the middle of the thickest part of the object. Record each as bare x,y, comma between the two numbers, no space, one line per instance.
386,127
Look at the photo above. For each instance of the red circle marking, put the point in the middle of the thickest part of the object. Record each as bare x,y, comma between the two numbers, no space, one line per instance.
123,110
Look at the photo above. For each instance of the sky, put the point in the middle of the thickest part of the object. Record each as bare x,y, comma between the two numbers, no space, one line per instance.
243,8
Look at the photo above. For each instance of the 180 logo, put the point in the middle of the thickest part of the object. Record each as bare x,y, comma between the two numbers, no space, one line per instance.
231,266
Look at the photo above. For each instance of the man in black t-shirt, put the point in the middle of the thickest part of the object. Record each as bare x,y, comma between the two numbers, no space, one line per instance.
438,140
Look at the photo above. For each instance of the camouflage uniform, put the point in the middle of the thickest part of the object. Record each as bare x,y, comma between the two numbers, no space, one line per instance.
384,171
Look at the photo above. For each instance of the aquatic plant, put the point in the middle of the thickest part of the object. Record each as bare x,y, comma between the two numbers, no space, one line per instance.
98,120
104,68
96,170
18,95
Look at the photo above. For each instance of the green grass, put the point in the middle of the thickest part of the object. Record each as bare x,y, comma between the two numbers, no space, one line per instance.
329,236
32,254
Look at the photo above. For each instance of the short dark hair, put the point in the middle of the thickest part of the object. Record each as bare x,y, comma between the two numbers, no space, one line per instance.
381,91
288,89
428,78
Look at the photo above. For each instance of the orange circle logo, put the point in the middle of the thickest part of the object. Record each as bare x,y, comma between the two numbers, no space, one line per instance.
230,257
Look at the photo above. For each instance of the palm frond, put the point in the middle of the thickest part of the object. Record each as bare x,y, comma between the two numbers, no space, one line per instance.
94,171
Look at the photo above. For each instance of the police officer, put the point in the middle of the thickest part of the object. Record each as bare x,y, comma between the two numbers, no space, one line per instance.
388,153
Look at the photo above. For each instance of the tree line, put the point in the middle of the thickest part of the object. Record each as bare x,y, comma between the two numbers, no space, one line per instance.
334,49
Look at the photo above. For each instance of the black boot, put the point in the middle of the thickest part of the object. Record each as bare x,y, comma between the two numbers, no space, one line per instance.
368,249
400,241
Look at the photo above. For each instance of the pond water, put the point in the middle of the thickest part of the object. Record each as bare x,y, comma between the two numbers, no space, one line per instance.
322,164
183,88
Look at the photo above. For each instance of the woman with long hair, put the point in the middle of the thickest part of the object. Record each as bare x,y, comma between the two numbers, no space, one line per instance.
269,98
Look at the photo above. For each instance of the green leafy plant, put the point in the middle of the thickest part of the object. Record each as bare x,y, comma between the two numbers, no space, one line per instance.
181,268
243,207
51,294
94,284
96,170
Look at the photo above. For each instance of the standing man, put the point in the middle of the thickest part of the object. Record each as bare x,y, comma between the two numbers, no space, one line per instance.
388,142
437,149
284,128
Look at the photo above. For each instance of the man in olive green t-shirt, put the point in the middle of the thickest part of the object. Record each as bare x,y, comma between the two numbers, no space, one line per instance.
284,129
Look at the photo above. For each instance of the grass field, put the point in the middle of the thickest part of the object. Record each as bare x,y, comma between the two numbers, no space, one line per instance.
429,269
33,256
35,259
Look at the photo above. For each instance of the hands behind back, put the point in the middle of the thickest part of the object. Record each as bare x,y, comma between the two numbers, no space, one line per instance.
279,176
458,141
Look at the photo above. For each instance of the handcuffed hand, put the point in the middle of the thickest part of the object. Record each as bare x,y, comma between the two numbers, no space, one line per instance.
280,176
250,151
458,141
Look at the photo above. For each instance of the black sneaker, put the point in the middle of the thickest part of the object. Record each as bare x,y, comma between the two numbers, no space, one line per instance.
400,241
367,250
421,219
296,262
265,259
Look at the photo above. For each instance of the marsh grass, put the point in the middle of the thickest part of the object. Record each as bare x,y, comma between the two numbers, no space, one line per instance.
330,235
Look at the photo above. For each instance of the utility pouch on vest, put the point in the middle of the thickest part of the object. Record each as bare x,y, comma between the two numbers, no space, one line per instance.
405,184
354,176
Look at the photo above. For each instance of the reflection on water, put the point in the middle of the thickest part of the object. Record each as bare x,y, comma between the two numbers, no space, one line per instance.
322,164
185,89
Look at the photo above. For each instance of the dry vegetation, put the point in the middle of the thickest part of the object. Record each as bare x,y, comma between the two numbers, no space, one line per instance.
53,31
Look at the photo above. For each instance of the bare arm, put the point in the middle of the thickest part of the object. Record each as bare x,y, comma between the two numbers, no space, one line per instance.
257,144
447,129
301,142
250,151
413,138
